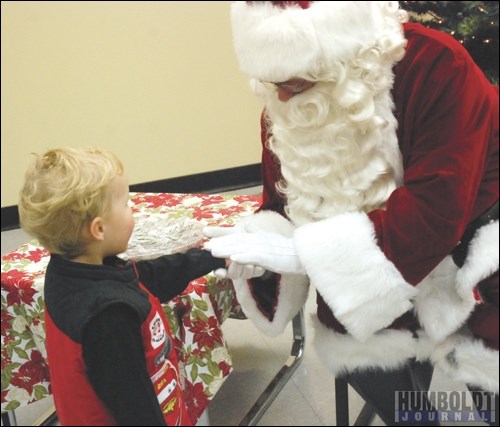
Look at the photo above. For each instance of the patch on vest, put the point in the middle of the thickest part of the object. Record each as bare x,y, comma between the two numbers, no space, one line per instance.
158,332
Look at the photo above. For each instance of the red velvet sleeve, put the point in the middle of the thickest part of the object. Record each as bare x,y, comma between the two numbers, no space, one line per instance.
448,134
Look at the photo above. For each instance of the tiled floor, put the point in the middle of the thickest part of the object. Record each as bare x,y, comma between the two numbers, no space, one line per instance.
306,400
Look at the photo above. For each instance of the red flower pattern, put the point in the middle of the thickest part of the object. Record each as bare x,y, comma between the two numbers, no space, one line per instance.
6,322
196,399
198,286
34,255
225,368
31,372
206,333
20,290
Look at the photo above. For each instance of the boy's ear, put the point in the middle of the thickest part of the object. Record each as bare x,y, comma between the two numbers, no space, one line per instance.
96,228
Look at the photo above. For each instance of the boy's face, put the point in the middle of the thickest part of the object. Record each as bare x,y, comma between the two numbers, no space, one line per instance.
119,222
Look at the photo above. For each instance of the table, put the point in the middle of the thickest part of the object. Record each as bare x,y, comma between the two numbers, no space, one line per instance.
195,317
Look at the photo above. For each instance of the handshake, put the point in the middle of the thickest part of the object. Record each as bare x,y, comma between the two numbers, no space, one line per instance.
251,251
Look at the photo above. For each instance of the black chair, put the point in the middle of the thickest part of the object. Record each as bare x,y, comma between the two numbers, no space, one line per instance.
364,418
375,387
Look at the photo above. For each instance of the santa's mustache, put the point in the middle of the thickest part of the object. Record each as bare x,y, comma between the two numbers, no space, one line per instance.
309,109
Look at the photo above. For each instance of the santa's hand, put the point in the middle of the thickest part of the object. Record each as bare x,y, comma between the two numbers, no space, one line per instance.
236,270
272,251
210,231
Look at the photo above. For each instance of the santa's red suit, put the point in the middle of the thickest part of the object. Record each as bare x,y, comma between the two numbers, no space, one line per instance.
378,190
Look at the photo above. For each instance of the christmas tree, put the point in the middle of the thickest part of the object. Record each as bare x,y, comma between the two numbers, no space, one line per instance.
472,23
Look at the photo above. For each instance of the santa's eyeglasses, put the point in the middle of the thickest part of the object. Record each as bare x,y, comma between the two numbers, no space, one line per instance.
294,86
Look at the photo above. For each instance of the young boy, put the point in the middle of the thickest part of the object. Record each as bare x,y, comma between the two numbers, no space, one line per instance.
108,342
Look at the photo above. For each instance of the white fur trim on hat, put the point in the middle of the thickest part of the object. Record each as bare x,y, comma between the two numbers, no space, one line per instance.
276,43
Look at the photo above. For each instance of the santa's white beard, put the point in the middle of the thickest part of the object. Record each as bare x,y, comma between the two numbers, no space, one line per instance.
337,146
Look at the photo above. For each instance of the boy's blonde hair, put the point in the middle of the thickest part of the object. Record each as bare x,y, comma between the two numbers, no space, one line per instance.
64,190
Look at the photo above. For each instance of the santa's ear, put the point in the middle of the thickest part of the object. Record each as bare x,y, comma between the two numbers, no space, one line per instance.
96,228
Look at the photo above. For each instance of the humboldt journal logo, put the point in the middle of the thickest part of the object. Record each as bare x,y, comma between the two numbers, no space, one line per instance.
444,406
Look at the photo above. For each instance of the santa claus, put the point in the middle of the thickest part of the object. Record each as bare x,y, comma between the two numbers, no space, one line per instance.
380,189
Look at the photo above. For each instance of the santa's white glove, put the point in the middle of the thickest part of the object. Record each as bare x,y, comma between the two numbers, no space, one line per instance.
235,270
239,271
269,250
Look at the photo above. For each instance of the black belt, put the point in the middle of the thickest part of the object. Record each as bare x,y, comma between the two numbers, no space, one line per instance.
460,252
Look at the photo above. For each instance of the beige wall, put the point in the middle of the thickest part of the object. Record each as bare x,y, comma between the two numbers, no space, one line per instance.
156,82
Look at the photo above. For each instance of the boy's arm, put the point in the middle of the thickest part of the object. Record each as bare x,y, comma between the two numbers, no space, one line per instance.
167,276
116,367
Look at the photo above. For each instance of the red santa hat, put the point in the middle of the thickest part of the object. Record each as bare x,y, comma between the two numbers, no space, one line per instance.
277,40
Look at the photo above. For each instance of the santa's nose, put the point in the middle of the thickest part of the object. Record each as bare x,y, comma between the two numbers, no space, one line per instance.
284,95
290,88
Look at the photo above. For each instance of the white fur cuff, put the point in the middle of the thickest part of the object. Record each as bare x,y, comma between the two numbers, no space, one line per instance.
362,287
481,261
389,349
467,360
293,289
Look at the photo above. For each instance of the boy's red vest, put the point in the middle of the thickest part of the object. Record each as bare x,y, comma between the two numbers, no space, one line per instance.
75,400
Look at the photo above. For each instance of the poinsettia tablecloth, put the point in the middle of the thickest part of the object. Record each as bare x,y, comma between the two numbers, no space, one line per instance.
195,316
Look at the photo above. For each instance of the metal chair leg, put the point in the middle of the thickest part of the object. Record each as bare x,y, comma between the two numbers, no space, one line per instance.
281,378
366,415
9,418
341,402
